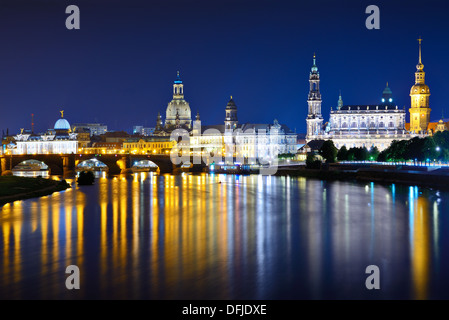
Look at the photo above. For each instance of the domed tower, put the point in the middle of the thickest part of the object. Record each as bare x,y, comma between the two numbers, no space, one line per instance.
419,93
178,106
62,126
231,120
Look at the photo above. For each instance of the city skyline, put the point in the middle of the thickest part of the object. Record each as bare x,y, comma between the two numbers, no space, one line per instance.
121,82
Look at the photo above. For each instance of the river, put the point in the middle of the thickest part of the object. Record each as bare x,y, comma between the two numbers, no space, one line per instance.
201,236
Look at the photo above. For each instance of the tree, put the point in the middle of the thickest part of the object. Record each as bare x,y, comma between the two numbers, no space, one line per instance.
415,149
374,153
342,154
328,151
382,156
444,156
429,149
312,162
361,154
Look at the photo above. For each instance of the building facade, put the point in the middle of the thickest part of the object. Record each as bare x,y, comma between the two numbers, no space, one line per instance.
250,141
59,140
149,145
371,125
367,125
95,129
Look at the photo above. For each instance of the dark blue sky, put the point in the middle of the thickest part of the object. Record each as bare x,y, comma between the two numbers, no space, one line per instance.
119,67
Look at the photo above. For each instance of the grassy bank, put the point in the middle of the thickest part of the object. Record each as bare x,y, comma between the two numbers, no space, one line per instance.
19,188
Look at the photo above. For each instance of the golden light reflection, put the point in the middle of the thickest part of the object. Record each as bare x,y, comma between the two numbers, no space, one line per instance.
194,228
421,248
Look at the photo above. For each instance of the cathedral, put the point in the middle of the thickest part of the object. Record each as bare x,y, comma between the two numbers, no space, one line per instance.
178,114
370,125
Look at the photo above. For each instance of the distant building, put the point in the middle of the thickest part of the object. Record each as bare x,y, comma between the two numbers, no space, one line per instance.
143,131
105,148
312,147
95,129
367,125
83,136
178,113
59,140
149,145
371,125
252,141
112,136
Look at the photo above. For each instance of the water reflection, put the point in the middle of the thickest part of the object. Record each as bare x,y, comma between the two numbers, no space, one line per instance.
225,237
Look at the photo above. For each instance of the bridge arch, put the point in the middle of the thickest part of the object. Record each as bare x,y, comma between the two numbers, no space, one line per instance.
31,168
91,165
144,165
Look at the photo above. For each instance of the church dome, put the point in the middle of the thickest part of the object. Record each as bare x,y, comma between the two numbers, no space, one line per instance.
62,124
420,88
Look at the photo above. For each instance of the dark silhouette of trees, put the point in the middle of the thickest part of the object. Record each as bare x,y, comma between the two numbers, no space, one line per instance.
328,151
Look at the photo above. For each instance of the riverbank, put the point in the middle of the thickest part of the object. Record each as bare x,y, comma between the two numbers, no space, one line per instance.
18,188
415,175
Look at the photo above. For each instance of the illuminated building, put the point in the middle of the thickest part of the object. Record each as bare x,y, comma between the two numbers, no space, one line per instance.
104,147
143,131
248,140
59,140
355,125
367,125
149,145
178,114
419,93
83,136
95,129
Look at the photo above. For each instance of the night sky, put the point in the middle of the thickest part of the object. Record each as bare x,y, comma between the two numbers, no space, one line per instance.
119,67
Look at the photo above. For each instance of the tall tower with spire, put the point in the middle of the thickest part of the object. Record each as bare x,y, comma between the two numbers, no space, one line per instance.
419,93
314,118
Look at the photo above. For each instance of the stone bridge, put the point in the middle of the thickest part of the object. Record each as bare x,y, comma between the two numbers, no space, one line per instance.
117,163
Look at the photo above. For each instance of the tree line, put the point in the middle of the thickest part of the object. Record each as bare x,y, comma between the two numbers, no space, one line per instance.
427,149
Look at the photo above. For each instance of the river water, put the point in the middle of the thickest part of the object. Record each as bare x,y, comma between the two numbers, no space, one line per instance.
227,237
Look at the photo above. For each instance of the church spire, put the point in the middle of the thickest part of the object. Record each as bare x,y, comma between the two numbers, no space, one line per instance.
420,40
314,67
340,101
420,66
